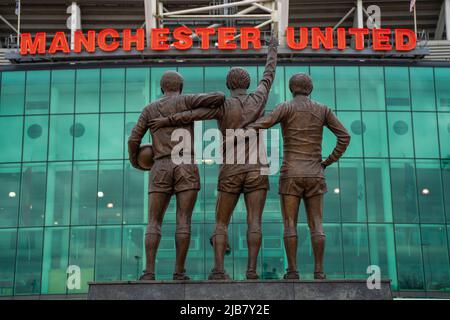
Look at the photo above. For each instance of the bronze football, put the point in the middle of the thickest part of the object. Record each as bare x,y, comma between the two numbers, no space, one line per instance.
145,156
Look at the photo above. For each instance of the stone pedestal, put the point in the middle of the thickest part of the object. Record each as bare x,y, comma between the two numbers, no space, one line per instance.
239,290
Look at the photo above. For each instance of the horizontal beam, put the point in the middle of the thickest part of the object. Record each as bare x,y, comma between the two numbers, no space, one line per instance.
221,16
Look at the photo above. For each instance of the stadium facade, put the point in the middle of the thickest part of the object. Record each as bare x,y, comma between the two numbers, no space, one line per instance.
70,200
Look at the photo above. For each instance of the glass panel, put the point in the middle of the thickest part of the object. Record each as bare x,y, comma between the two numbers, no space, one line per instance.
444,134
193,79
289,72
378,188
375,134
356,128
113,90
35,138
400,135
59,190
28,262
422,89
442,78
82,255
86,137
155,88
272,252
446,185
9,194
84,193
372,88
7,260
111,136
133,252
55,262
32,197
404,191
333,260
137,88
12,95
61,137
63,91
87,96
425,135
209,184
165,256
435,257
347,88
11,138
108,253
356,250
332,206
352,191
110,183
135,205
323,78
195,262
37,98
409,257
429,184
277,91
397,88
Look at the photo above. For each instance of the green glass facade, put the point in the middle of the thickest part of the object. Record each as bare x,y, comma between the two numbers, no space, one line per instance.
68,195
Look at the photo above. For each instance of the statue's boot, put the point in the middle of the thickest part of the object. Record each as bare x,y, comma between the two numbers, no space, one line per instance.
218,275
320,275
147,276
180,276
252,275
291,275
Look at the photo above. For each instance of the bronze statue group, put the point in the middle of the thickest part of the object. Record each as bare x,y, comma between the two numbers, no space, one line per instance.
302,173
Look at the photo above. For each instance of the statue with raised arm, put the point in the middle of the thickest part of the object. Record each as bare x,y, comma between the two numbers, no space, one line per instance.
166,176
238,111
302,172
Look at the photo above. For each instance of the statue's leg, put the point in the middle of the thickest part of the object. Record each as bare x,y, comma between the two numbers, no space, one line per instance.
226,202
185,206
314,211
289,210
158,202
254,202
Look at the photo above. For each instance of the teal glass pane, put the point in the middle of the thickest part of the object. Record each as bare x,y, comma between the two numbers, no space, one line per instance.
110,183
372,88
28,262
82,254
130,121
425,135
215,79
409,257
12,96
37,98
62,96
331,206
112,90
55,260
305,256
133,252
9,194
86,137
404,191
155,78
61,137
382,251
397,88
11,138
289,71
7,260
32,196
444,134
111,136
108,253
352,190
375,134
378,188
272,209
209,184
84,193
347,88
166,252
272,252
59,193
328,142
193,79
442,79
35,138
277,92
356,250
446,185
422,89
333,260
135,206
435,257
137,94
195,261
429,183
400,130
356,128
323,78
87,95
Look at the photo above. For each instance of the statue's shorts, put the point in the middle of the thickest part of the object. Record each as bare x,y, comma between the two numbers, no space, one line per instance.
168,177
244,182
302,187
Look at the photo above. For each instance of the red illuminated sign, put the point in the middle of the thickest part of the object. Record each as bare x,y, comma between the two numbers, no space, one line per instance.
109,40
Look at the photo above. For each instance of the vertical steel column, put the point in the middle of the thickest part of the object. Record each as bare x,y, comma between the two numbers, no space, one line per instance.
151,9
282,20
358,20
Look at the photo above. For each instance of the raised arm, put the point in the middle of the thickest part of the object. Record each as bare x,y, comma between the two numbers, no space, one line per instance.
205,100
186,117
275,116
135,139
342,135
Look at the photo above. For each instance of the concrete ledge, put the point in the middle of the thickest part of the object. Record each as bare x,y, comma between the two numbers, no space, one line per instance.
239,290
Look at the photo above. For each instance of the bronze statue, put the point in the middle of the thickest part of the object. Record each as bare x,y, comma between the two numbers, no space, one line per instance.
166,177
302,173
237,112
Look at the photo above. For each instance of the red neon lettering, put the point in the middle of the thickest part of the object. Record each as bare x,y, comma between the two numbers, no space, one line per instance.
138,39
103,45
318,37
359,34
80,41
411,43
204,34
159,39
381,40
250,35
290,38
59,43
226,37
28,46
182,34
